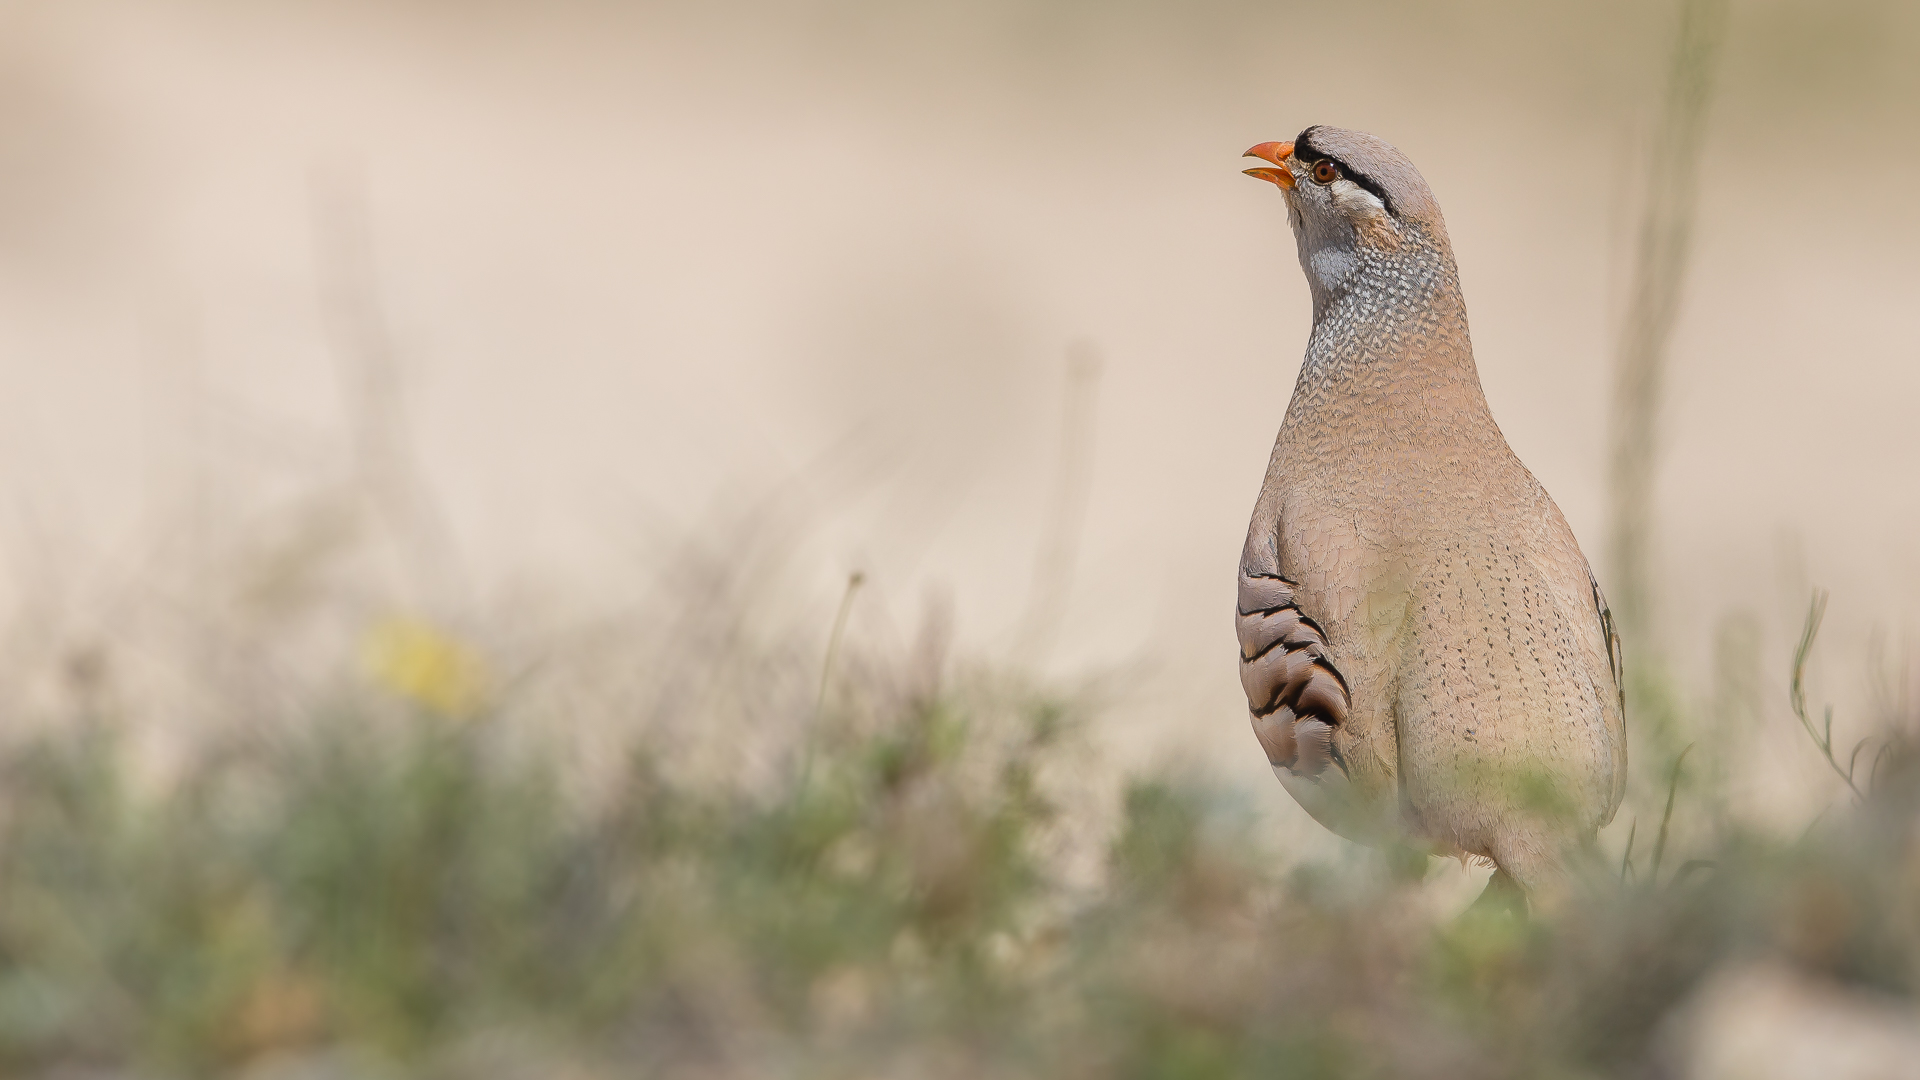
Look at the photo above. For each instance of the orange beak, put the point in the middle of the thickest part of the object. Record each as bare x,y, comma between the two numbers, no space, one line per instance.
1278,153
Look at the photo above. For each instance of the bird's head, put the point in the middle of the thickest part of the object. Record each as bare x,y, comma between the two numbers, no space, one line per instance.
1350,194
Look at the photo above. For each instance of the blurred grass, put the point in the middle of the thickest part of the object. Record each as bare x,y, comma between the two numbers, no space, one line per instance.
390,890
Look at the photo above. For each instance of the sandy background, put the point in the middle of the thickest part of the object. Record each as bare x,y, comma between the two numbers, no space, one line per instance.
805,279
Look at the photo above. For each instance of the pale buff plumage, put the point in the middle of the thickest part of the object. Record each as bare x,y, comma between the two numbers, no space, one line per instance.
1426,654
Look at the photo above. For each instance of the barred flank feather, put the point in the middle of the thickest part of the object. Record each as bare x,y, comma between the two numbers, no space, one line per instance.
1294,692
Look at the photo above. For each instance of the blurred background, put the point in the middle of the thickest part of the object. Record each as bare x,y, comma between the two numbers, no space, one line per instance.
579,342
640,271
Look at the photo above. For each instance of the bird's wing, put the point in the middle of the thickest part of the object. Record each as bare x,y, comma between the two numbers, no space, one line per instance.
1616,662
1294,692
1613,640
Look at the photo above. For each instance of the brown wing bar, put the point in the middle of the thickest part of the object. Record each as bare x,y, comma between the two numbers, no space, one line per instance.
1613,640
1616,663
1295,694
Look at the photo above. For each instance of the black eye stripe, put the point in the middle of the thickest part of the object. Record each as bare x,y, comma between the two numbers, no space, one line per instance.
1304,149
1365,181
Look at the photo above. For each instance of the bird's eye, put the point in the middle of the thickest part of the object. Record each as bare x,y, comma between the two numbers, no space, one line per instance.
1325,172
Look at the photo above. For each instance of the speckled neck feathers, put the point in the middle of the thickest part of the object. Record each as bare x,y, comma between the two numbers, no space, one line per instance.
1390,327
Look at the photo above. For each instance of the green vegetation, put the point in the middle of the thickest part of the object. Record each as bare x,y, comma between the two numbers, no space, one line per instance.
395,890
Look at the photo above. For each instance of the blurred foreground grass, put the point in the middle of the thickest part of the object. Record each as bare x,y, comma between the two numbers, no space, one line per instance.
395,889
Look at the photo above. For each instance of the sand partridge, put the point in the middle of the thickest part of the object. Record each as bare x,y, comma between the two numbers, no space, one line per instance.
1426,655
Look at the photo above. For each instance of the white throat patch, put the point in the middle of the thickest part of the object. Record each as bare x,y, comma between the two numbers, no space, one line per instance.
1356,201
1330,243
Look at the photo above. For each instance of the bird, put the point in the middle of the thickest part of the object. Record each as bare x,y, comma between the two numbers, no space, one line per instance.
1427,656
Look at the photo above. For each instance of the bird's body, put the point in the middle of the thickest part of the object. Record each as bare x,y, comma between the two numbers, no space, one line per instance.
1425,652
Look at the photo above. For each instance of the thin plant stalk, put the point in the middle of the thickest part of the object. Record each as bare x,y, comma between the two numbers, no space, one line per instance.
1626,858
854,581
1653,309
1067,509
1666,818
1822,737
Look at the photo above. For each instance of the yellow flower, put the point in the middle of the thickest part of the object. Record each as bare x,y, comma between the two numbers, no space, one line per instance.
422,664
